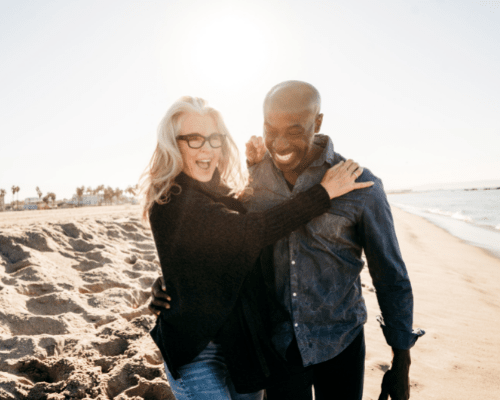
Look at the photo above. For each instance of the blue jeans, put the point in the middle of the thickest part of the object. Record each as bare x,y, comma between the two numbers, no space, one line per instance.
207,378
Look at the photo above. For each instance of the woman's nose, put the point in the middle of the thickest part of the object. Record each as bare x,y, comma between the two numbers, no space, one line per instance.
206,146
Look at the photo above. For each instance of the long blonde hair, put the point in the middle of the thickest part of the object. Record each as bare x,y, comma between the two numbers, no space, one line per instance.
157,182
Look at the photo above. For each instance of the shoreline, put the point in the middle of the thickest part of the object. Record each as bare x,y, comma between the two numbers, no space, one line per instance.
469,235
456,302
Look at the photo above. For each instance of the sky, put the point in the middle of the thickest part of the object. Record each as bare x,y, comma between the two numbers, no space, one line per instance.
410,90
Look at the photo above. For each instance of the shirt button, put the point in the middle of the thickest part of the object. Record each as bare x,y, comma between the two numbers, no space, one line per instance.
296,324
293,262
295,295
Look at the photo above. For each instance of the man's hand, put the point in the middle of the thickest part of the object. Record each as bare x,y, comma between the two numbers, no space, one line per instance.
255,150
160,299
396,382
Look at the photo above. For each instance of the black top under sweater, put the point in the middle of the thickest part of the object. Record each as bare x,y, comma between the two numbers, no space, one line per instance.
209,247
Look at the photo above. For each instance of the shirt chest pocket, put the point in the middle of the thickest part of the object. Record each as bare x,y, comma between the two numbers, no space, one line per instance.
332,233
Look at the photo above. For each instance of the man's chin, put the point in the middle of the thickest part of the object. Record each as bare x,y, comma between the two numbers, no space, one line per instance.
285,167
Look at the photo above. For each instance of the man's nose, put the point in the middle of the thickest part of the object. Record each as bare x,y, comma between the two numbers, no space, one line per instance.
280,144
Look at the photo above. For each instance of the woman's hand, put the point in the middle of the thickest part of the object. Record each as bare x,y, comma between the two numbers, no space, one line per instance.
255,150
160,299
340,179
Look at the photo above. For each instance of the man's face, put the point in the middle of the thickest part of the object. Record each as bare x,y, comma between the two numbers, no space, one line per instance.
289,136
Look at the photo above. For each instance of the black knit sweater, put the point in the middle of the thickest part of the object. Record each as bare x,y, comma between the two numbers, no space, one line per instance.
208,245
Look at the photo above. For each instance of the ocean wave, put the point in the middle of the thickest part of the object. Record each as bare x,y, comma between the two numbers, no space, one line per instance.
456,215
452,214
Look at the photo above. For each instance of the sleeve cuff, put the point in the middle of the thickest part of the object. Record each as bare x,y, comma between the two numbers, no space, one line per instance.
399,339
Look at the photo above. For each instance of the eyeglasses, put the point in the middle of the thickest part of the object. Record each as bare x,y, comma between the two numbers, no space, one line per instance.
196,141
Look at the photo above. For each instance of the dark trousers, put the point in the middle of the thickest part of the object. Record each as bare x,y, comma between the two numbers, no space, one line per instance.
340,378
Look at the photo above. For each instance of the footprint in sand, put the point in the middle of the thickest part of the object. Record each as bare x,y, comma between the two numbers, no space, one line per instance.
71,230
37,289
54,304
87,265
84,246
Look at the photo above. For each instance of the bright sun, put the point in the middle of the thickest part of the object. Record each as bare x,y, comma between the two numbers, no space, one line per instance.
230,50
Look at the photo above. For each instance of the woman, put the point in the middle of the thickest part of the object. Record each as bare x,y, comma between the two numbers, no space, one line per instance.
208,248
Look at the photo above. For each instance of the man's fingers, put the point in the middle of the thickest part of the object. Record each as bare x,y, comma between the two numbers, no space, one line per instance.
159,293
154,310
163,286
159,304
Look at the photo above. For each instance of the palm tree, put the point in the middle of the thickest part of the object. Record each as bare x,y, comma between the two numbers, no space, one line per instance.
118,194
2,196
13,188
108,194
130,191
79,193
52,196
97,190
89,190
46,199
39,192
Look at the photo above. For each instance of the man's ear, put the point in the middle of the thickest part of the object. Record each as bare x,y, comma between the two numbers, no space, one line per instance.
318,122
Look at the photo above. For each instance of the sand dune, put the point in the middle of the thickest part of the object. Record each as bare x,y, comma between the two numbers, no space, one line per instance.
75,284
73,306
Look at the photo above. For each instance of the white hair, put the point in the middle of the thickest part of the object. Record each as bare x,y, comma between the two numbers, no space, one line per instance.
158,178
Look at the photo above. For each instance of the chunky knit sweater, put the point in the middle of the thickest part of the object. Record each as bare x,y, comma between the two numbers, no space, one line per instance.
208,246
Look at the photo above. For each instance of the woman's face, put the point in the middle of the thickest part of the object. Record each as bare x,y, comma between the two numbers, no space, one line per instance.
199,163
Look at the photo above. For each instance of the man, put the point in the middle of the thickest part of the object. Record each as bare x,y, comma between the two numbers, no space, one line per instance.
317,268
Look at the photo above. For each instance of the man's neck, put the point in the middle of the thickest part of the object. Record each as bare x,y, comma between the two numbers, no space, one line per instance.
292,176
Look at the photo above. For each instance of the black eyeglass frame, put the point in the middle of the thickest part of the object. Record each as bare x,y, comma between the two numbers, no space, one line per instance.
191,136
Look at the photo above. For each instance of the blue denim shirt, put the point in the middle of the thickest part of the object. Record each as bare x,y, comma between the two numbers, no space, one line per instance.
317,268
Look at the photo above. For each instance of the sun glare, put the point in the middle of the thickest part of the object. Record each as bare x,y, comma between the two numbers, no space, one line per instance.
230,51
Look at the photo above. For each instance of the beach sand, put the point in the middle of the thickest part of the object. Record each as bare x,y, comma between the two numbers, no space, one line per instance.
75,284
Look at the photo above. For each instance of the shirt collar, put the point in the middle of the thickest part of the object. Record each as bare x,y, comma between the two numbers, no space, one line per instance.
327,155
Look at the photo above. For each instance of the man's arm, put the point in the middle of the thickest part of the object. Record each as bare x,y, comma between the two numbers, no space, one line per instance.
393,289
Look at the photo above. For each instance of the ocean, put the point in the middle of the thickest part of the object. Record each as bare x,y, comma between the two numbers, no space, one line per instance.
471,215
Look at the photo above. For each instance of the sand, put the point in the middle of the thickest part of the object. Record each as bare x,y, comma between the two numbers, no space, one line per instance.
75,284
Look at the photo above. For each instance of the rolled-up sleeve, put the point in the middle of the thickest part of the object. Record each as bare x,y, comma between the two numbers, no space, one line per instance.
388,270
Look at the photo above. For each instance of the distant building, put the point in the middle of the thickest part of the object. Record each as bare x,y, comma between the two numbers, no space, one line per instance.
93,200
32,203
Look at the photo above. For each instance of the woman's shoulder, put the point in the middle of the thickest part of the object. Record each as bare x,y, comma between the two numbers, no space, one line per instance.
183,195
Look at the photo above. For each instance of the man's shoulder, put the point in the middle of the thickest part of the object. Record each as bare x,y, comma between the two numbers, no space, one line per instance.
374,191
262,172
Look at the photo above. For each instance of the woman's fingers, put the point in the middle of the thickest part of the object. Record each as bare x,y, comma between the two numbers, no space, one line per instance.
361,185
357,172
341,178
255,149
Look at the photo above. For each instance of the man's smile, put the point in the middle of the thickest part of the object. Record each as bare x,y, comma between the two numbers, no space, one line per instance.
283,158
